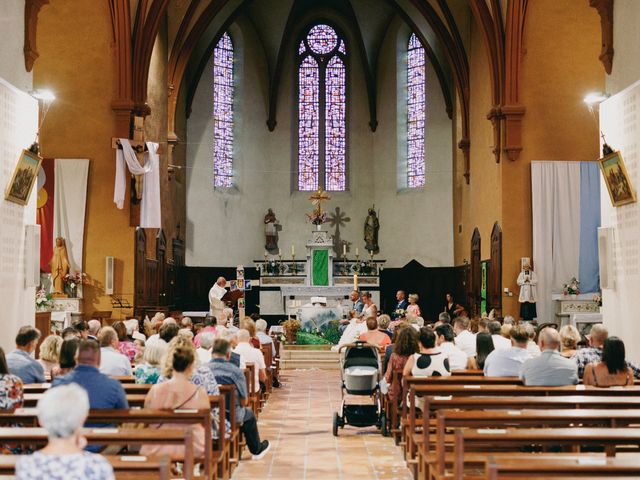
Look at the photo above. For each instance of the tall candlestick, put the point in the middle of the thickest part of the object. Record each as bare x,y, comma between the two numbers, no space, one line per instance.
355,281
344,249
279,252
293,250
357,251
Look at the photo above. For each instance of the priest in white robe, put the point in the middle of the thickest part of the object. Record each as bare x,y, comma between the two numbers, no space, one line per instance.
216,305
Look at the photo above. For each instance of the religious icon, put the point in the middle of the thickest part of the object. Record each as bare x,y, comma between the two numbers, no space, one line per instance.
233,285
271,228
617,179
247,285
371,227
24,176
60,267
240,283
318,216
241,303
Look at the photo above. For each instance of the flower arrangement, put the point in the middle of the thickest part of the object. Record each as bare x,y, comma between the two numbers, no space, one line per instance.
572,288
400,312
597,297
43,299
317,218
291,327
72,280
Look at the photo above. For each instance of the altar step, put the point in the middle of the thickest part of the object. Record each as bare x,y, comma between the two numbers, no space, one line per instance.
308,358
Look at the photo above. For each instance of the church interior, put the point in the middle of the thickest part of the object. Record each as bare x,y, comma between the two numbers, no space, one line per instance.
377,238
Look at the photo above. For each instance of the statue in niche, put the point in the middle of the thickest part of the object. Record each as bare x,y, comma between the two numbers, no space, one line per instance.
271,228
338,219
59,267
371,227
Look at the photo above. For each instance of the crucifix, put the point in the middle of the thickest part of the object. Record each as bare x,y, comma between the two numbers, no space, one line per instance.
317,199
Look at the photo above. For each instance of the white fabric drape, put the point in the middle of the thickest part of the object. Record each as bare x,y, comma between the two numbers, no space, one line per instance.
150,203
70,199
555,198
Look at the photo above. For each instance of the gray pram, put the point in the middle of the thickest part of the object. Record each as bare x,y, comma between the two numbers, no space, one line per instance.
360,371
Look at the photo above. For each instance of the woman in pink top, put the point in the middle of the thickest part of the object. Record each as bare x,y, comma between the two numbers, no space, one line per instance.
413,310
375,336
210,323
177,393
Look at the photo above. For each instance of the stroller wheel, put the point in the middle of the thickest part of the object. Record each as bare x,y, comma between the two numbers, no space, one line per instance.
384,428
336,423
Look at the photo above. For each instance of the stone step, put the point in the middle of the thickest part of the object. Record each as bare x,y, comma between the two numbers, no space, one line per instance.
309,364
302,354
309,358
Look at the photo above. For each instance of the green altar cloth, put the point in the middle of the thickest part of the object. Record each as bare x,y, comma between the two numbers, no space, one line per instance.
320,268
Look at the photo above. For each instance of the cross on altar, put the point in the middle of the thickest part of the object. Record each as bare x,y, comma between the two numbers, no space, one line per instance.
317,199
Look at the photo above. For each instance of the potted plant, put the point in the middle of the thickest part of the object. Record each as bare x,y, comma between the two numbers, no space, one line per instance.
291,327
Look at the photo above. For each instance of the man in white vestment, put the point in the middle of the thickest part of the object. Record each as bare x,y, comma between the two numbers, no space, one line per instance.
216,305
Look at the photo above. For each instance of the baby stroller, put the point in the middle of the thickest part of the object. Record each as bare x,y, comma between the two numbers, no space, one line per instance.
360,371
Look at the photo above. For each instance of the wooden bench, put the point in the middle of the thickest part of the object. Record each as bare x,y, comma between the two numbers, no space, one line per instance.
564,467
125,467
447,419
111,436
513,439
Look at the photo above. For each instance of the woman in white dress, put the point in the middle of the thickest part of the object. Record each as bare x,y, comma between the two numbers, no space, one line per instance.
358,323
370,309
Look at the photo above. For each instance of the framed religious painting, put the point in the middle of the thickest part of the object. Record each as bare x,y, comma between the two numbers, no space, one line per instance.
617,179
24,176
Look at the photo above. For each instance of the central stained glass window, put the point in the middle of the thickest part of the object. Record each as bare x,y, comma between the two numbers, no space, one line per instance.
322,91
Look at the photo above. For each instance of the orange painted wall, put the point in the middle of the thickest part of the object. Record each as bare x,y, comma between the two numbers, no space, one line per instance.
78,64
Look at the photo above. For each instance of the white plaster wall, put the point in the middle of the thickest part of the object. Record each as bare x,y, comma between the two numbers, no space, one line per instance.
225,227
12,67
618,121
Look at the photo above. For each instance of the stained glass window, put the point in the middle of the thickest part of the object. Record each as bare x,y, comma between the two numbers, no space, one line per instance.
416,112
223,112
322,88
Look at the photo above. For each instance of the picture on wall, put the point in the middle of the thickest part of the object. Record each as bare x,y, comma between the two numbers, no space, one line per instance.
24,176
617,179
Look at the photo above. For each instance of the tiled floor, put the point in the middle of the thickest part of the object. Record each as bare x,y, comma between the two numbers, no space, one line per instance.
298,422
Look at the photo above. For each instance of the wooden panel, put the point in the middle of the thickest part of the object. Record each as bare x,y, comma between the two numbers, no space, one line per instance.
494,286
139,272
161,276
476,274
430,283
43,323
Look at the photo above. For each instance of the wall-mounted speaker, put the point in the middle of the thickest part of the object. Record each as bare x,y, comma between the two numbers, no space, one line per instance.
108,276
605,257
32,256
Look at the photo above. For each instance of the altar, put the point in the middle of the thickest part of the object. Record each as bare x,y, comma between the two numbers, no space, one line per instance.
576,310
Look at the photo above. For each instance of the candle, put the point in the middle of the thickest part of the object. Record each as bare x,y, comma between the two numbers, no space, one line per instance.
355,281
293,250
279,252
357,251
344,249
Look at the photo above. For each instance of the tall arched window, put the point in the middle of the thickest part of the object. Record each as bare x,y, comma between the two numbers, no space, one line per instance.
223,112
322,123
416,112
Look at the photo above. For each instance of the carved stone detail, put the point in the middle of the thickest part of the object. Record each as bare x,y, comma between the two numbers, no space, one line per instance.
605,10
31,10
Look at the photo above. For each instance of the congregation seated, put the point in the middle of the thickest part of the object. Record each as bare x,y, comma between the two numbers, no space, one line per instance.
163,329
250,354
374,336
187,323
484,346
49,354
62,412
209,327
465,340
444,341
70,332
82,328
234,357
112,362
125,345
261,333
550,368
443,318
593,353
612,369
495,330
249,325
201,374
507,362
383,325
204,350
428,361
226,320
104,392
68,352
11,387
227,373
404,346
94,329
148,372
569,339
178,392
20,361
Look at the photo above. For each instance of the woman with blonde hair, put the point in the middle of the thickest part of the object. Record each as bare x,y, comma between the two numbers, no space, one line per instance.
148,372
413,310
569,338
250,325
50,354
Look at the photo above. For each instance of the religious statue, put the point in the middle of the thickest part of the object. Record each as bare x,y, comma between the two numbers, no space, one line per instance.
371,227
59,267
271,227
527,280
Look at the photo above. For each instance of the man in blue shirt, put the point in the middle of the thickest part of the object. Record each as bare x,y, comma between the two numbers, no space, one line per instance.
104,392
227,373
20,361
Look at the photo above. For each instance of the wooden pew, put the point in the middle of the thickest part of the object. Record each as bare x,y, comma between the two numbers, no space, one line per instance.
561,466
466,439
125,467
234,453
111,436
128,387
448,419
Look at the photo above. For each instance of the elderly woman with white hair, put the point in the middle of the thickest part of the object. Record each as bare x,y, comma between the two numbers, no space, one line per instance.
62,411
204,350
226,320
